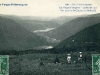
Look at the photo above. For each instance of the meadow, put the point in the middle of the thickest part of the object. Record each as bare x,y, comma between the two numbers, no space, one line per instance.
29,64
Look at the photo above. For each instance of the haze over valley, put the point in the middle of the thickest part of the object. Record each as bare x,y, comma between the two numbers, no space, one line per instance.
25,32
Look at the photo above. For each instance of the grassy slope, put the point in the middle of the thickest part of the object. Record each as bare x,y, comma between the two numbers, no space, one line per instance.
72,27
14,36
87,37
28,64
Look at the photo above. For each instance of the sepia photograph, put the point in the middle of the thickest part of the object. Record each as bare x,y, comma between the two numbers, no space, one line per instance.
50,37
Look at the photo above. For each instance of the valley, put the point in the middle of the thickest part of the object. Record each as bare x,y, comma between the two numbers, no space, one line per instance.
35,44
42,34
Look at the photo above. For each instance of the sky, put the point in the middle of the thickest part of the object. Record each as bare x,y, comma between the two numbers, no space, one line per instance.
47,8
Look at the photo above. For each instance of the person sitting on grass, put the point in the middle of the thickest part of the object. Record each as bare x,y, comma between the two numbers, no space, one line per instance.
41,63
56,60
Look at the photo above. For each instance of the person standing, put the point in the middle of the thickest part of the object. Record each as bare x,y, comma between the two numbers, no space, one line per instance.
80,56
69,58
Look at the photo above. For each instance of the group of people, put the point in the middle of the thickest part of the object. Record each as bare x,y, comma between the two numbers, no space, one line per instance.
69,59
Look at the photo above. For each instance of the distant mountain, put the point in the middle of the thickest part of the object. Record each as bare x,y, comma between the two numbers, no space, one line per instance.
72,27
27,17
15,37
63,19
87,38
33,23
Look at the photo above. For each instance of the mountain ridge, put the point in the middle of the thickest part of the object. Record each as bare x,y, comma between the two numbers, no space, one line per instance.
72,27
14,36
87,39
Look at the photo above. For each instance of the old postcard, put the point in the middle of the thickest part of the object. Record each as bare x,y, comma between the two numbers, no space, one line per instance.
50,37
